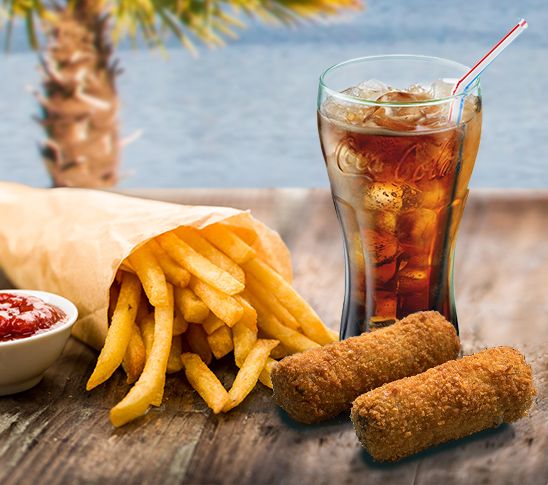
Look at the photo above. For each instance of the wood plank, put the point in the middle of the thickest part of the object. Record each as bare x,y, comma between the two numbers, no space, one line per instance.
59,433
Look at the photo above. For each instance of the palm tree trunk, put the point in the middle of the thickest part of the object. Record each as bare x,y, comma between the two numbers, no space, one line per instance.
79,102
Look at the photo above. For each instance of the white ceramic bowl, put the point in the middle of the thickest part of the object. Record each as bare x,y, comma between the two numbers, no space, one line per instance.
24,361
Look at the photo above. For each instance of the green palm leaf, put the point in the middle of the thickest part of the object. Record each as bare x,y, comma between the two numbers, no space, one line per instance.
206,21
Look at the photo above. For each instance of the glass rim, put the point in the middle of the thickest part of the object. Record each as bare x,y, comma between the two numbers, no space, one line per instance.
370,102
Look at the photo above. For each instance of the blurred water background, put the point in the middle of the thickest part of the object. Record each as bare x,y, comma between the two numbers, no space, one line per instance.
244,115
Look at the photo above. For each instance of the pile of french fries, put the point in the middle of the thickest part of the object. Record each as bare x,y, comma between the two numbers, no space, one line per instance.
190,296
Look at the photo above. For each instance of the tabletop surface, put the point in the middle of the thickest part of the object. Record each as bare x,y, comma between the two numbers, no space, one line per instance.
59,433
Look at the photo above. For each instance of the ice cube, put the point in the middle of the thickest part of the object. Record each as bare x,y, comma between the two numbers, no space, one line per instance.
472,105
347,112
399,118
417,227
436,194
408,118
385,221
400,97
331,109
359,116
435,116
419,89
411,196
335,109
441,88
371,89
382,247
383,196
412,280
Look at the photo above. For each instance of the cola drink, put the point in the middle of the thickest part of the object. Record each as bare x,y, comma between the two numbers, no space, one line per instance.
399,170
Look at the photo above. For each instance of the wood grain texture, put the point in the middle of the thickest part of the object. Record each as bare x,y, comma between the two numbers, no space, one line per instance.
58,433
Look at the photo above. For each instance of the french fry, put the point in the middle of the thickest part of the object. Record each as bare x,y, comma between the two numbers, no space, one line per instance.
175,273
249,373
224,306
267,371
224,239
135,356
246,235
151,275
174,363
244,339
291,339
197,340
280,352
119,332
194,310
271,302
212,294
198,265
147,332
114,292
179,323
310,323
156,398
220,342
149,388
212,323
204,381
249,317
242,240
271,326
201,245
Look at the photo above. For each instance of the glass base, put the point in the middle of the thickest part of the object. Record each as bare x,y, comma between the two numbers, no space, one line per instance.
354,323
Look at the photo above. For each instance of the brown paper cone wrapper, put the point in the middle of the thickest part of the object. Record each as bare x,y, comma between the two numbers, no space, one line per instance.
72,242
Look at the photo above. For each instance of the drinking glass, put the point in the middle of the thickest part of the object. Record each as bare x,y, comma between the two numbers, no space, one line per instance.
399,151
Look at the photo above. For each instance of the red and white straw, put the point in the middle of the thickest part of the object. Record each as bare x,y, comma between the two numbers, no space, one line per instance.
465,81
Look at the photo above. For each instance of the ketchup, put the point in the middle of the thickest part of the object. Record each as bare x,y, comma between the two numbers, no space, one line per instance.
23,316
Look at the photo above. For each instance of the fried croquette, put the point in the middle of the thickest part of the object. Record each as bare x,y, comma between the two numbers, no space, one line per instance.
321,383
447,402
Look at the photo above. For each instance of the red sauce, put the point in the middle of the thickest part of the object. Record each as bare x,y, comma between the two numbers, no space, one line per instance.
23,316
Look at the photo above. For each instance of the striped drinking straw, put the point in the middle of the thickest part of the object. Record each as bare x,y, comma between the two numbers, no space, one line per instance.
466,81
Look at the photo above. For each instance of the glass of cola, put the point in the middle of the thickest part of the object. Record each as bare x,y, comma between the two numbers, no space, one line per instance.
399,150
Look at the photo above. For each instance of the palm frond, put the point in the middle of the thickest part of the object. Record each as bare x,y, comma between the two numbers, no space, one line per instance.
213,21
206,21
28,11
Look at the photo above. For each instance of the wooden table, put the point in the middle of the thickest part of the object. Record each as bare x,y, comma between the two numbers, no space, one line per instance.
59,433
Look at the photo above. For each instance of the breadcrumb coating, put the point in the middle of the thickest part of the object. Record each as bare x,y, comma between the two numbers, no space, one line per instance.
447,402
321,383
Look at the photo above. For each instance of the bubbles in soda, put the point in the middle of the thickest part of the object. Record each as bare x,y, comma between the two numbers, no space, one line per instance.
399,171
